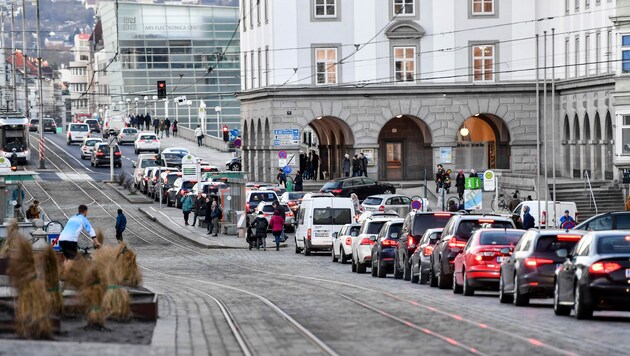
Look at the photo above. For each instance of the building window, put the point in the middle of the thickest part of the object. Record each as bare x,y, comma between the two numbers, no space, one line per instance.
267,65
566,58
252,68
567,5
405,64
326,65
483,63
587,54
577,5
609,51
259,68
625,54
587,4
245,71
625,135
251,14
404,7
483,7
598,57
576,64
266,11
325,8
245,15
258,12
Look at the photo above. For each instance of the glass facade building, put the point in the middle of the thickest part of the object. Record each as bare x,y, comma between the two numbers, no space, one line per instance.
195,49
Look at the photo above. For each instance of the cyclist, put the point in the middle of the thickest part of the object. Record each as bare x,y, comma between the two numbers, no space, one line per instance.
68,239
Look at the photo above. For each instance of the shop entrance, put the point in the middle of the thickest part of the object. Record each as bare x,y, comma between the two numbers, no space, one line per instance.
405,149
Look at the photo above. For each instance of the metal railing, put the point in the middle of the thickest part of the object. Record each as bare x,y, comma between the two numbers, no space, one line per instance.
591,200
208,141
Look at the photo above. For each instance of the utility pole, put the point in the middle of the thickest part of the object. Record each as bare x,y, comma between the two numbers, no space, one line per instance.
3,60
13,64
26,102
42,161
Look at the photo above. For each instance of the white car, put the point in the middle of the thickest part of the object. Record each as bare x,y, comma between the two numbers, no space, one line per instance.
267,209
376,214
147,142
362,245
176,150
143,161
342,242
88,146
76,132
127,135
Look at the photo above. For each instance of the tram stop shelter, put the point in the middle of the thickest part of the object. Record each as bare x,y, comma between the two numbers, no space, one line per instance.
12,198
231,199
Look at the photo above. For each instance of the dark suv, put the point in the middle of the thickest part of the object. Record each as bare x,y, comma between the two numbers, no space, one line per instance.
456,234
416,223
363,187
94,125
616,220
100,155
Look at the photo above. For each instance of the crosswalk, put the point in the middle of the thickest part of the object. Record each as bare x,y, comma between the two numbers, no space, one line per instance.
62,176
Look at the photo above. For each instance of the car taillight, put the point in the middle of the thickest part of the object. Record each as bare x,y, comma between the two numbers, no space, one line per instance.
366,241
410,242
100,154
603,267
389,243
484,256
543,219
88,134
427,250
291,203
117,153
381,208
336,191
308,234
455,243
441,214
84,147
155,141
348,241
535,262
569,238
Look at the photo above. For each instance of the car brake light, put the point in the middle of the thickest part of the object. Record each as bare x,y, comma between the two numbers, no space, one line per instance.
381,208
366,241
117,153
627,238
486,221
389,243
100,153
543,219
348,241
441,214
484,255
571,238
308,234
454,243
410,242
336,191
291,203
155,140
427,250
604,267
290,213
535,262
84,147
247,207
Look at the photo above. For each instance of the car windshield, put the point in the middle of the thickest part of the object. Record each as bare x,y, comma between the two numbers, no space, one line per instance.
500,237
395,229
147,163
91,143
613,244
331,216
129,131
187,185
550,244
148,137
268,209
332,185
374,227
354,231
173,156
268,197
296,196
468,227
422,222
373,201
171,178
79,128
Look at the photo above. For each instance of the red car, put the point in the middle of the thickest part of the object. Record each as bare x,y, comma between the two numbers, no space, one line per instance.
478,266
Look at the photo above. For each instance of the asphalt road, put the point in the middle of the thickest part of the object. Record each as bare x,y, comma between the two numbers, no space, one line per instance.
327,308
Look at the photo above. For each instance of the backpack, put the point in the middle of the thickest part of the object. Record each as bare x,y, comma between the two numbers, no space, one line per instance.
28,214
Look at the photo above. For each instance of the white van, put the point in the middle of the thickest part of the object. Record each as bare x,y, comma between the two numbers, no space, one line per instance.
320,216
547,212
113,125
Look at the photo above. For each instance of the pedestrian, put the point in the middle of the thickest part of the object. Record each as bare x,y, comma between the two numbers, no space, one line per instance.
356,166
187,206
567,221
283,214
133,121
141,120
355,202
529,198
199,135
298,181
121,225
162,128
628,203
215,215
156,125
439,180
281,178
346,165
528,219
309,168
514,202
473,174
69,236
277,227
460,183
261,224
167,126
315,161
147,121
363,162
199,209
175,123
33,212
302,161
18,214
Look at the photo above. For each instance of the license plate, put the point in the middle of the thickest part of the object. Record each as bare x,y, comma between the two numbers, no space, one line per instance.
628,273
145,141
500,259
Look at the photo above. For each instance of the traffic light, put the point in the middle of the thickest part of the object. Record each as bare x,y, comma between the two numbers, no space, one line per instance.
161,89
226,134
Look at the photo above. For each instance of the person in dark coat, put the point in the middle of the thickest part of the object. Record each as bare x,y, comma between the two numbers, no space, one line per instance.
473,174
121,225
281,178
175,128
156,126
167,126
460,183
147,121
199,209
260,225
356,166
514,202
363,162
528,219
315,166
133,121
298,181
346,165
302,161
215,215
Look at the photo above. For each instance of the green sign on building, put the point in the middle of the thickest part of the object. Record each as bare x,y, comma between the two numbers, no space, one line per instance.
473,183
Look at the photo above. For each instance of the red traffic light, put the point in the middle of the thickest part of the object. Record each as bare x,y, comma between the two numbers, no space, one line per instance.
161,84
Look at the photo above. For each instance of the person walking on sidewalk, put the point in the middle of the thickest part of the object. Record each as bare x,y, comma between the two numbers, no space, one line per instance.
215,215
187,206
261,225
298,182
356,166
161,128
147,121
346,166
200,208
363,162
281,178
277,226
121,225
283,214
167,126
199,135
175,123
156,126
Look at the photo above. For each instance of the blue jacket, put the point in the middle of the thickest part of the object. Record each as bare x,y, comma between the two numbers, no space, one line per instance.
187,204
528,221
121,222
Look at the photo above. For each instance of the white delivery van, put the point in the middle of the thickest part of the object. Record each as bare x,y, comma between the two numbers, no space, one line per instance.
112,125
546,215
321,215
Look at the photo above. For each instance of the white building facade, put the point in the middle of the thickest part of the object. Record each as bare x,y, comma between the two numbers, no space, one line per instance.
400,79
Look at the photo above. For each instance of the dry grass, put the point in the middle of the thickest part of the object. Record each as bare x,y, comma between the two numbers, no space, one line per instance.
94,286
50,269
13,233
130,272
32,312
116,302
100,236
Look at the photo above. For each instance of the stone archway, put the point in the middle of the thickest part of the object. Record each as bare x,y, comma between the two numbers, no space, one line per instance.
405,149
483,142
608,146
335,139
566,143
598,152
259,160
588,164
577,151
245,148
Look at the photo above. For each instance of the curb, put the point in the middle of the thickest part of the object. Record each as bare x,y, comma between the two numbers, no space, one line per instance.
199,241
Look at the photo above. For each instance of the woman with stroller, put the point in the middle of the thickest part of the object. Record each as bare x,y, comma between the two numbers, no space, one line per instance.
261,225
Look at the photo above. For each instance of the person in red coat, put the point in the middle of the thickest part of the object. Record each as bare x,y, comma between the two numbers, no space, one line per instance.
277,224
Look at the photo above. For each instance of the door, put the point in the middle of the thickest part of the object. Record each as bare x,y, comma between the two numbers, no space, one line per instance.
393,161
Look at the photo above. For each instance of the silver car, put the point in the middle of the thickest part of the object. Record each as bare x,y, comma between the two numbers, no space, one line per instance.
387,202
127,135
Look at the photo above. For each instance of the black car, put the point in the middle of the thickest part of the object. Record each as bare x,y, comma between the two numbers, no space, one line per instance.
49,125
101,155
234,164
173,159
33,125
416,223
456,234
94,125
595,275
383,249
421,258
617,220
361,186
529,271
167,183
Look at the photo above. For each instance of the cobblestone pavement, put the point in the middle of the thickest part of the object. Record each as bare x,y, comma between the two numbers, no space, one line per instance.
282,303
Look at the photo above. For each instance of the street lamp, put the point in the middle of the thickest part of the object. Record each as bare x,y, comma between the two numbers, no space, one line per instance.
464,131
128,102
145,105
100,116
155,98
136,101
218,111
189,103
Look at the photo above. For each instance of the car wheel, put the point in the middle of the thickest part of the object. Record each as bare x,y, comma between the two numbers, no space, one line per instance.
416,278
344,258
582,310
354,266
424,277
398,274
236,167
466,288
558,309
307,250
381,271
137,151
374,269
504,297
520,299
442,281
334,257
406,269
297,249
457,289
388,191
433,282
361,267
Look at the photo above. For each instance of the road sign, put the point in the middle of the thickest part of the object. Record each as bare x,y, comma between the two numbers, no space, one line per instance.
416,205
286,137
235,132
287,169
472,199
282,162
472,183
282,154
238,143
189,172
489,181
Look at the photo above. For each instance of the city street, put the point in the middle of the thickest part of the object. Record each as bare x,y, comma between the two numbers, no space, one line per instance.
236,301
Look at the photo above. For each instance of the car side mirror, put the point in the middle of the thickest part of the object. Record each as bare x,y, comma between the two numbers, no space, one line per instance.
373,238
335,234
134,165
506,251
562,253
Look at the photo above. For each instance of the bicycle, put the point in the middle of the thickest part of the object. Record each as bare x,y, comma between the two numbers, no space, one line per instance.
454,199
503,203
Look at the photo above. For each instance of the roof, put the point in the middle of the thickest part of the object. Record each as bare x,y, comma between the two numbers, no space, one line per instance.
19,63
